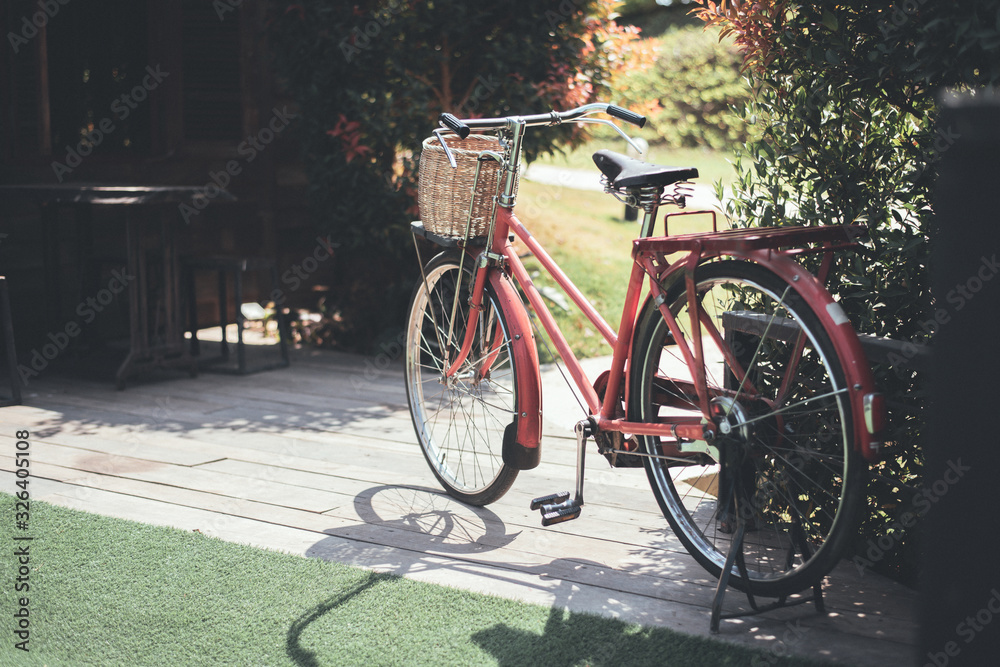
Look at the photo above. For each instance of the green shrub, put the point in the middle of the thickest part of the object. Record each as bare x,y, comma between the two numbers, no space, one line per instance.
845,102
689,91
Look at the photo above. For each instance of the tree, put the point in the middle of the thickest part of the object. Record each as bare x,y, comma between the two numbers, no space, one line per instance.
371,79
844,94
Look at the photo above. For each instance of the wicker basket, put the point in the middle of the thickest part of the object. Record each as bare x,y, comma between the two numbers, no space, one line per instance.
445,192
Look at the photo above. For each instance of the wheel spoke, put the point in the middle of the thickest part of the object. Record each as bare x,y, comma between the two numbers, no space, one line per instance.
460,420
778,401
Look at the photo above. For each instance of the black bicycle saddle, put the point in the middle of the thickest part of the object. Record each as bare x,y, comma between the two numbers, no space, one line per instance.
625,172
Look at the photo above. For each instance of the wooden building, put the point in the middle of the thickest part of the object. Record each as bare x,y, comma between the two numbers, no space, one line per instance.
145,92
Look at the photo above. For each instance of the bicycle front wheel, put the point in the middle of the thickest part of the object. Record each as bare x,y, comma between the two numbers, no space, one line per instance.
783,460
460,420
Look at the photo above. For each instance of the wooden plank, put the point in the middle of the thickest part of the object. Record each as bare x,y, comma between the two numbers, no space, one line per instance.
625,550
392,528
135,445
110,424
661,579
296,442
337,477
161,410
381,421
314,387
391,532
265,489
554,450
552,579
601,521
486,579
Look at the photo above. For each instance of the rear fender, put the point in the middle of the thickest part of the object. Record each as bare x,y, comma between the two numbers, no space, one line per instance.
862,392
860,383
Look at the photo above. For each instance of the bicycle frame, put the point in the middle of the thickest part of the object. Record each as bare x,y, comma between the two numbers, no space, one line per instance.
764,252
507,223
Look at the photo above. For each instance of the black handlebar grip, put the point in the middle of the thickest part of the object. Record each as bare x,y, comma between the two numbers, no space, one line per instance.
626,115
453,123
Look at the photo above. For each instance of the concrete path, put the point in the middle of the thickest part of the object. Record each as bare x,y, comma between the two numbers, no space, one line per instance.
703,196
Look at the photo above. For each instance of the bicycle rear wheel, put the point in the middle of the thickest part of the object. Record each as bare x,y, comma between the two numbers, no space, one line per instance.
783,459
460,421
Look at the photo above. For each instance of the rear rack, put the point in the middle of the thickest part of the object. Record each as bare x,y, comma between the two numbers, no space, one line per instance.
744,240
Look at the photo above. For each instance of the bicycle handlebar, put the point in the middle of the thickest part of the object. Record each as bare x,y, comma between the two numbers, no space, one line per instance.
455,125
464,126
626,115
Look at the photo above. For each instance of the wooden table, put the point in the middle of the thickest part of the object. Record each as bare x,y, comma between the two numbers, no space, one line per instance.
152,343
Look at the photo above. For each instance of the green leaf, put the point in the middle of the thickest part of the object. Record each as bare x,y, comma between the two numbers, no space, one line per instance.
830,21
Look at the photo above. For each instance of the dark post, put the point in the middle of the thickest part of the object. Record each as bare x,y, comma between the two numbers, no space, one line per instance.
960,588
7,333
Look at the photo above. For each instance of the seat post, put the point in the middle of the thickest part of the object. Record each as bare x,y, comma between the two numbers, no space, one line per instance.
649,200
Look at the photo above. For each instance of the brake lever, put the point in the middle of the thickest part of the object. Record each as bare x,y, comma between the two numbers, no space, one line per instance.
605,121
447,151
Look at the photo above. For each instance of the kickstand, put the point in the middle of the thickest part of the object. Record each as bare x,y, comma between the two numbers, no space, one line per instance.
558,507
736,557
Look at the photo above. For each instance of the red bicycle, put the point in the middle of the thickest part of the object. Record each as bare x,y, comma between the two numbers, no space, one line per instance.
736,379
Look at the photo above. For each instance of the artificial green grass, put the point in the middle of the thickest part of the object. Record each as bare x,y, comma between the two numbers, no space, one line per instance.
111,592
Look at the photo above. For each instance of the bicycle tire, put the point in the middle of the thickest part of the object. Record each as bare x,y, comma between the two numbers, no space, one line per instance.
786,465
460,422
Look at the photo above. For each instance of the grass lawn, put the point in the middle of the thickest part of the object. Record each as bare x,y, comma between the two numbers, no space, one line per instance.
110,592
712,165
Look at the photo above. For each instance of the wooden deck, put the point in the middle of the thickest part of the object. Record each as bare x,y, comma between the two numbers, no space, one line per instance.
320,460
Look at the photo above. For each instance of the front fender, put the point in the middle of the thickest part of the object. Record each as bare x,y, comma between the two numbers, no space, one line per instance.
522,442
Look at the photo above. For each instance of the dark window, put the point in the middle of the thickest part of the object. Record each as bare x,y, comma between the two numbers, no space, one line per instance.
212,102
98,57
23,114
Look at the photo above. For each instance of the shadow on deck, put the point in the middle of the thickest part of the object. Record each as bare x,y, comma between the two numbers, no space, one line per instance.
320,459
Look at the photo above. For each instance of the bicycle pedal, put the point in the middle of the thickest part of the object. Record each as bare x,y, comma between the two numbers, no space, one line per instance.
560,514
551,499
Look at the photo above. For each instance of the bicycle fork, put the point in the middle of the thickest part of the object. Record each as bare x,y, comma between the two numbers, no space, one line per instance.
558,507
